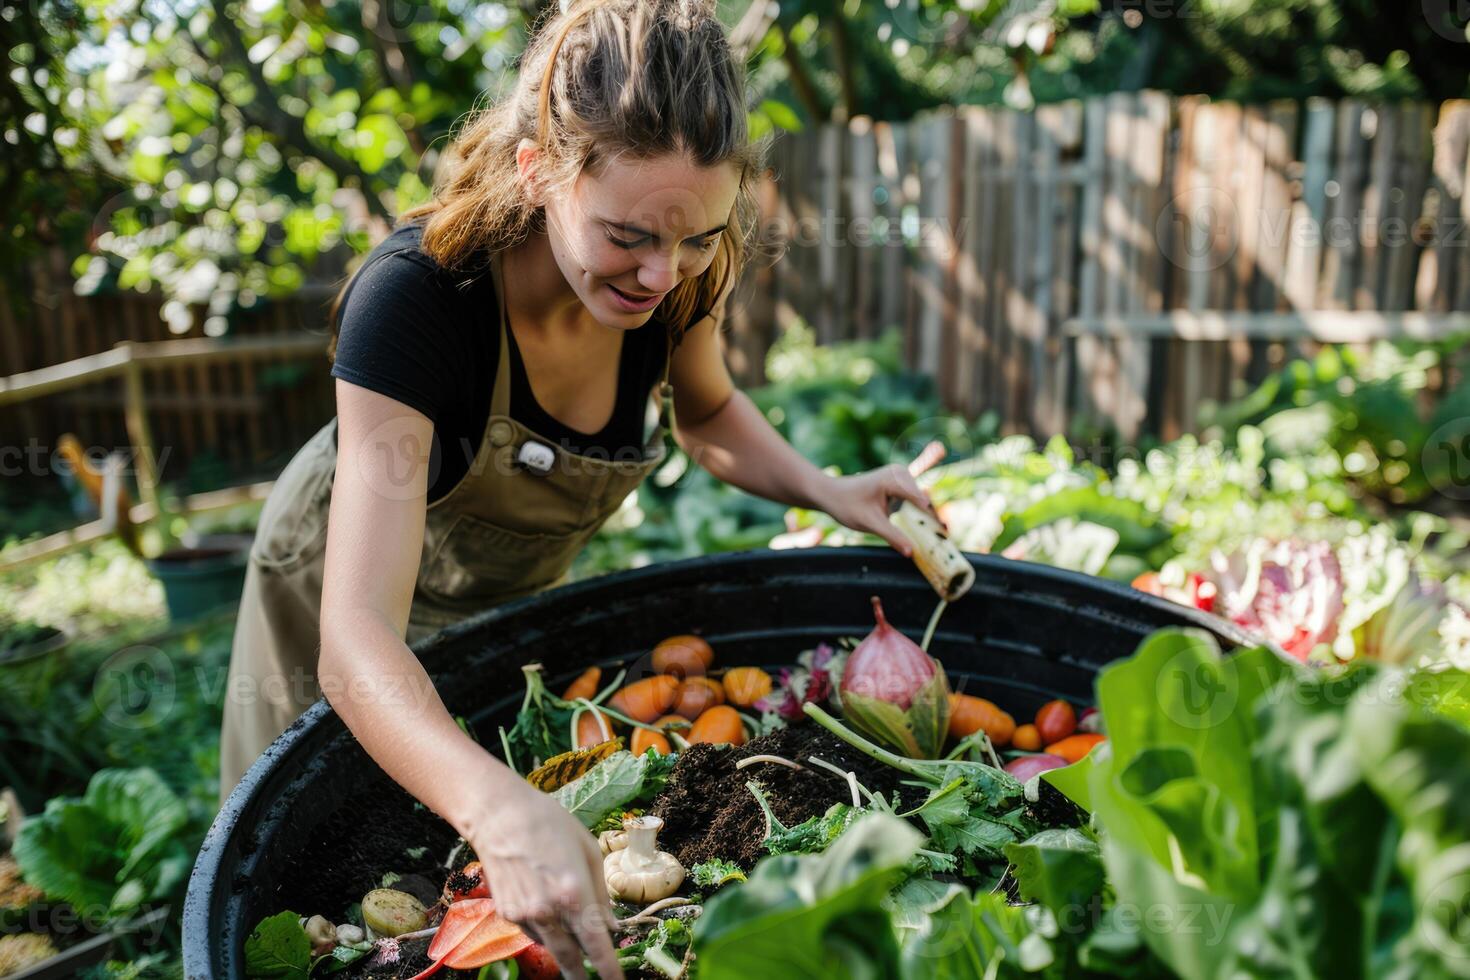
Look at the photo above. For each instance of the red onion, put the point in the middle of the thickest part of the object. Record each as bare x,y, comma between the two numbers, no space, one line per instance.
1027,767
896,693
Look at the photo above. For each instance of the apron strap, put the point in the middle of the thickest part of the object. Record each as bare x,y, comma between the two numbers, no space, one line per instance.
500,394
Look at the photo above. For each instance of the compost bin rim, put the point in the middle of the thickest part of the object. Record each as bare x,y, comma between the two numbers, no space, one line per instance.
205,879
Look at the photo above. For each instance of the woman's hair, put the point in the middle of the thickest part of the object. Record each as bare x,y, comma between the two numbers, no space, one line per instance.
602,80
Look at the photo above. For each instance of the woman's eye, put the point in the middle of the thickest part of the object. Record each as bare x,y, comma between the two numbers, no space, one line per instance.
623,244
708,244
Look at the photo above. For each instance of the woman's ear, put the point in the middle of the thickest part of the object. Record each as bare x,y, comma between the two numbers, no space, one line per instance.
528,155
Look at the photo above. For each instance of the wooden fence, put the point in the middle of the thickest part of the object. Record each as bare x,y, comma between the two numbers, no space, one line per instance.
1119,261
214,421
1115,262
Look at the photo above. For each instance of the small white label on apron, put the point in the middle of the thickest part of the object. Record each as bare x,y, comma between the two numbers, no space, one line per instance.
536,457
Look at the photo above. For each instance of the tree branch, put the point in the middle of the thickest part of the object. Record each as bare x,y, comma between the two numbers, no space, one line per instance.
267,114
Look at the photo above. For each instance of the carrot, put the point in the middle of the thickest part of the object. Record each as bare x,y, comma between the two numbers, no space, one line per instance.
585,686
593,728
683,656
645,700
969,714
643,740
1055,721
696,695
1074,748
744,686
719,724
1027,739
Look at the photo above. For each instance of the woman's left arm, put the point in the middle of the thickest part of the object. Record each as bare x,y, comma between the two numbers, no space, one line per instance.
723,431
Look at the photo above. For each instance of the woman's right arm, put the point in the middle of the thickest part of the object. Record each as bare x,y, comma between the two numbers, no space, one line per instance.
544,869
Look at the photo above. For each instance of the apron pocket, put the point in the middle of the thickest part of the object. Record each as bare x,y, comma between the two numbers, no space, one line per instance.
480,560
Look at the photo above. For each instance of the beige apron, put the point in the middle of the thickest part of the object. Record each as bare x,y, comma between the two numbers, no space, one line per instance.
511,527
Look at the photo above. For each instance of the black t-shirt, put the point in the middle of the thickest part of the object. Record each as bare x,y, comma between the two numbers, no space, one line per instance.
428,337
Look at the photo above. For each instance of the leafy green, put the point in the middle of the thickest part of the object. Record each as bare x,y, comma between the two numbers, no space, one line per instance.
278,948
713,874
1281,821
609,786
543,725
114,848
818,915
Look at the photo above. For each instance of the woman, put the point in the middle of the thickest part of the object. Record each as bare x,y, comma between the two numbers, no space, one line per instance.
493,371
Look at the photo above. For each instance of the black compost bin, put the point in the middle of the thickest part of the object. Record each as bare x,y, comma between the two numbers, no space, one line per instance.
315,803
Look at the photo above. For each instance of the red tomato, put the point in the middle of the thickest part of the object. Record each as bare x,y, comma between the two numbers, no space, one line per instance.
1055,721
536,963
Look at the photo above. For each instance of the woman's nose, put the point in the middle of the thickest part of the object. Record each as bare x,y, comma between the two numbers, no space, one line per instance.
660,274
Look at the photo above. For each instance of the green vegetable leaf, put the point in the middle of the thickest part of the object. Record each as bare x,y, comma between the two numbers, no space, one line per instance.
116,847
278,948
1059,868
604,788
819,916
713,874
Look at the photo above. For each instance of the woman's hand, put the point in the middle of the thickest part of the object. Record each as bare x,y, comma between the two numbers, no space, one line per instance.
545,873
861,501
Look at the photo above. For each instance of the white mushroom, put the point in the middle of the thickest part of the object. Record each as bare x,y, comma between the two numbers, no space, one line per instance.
641,872
322,933
349,934
612,840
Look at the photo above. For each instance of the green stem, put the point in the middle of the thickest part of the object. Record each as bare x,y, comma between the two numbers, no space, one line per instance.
933,624
505,747
617,715
773,823
606,692
852,738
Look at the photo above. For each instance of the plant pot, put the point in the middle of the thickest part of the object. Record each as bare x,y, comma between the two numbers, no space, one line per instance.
203,578
48,642
1025,634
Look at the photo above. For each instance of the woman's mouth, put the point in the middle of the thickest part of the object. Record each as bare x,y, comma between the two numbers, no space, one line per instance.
634,304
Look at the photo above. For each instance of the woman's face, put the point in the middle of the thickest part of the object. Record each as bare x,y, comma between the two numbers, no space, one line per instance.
627,235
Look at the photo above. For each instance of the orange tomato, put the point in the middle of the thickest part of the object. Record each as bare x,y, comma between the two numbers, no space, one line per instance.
969,714
697,695
744,686
645,700
585,686
643,740
1074,748
719,724
1026,738
1055,721
593,728
683,656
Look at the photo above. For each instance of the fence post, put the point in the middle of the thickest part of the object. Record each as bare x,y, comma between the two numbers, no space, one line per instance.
136,415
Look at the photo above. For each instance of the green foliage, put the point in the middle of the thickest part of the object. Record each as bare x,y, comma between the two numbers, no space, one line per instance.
113,850
278,948
818,915
1309,822
1372,407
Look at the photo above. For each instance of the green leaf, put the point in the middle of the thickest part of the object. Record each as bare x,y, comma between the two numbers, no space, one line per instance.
116,847
278,948
1060,868
819,916
606,787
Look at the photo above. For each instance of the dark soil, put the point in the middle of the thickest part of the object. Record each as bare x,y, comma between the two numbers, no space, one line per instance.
354,848
709,813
